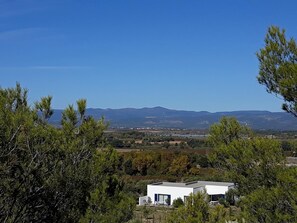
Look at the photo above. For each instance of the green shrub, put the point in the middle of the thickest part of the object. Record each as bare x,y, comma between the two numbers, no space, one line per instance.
177,202
223,201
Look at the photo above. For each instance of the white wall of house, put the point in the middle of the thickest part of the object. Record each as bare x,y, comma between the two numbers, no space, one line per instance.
213,189
174,192
160,192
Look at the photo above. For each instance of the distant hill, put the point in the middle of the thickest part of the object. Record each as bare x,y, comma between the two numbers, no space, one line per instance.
159,117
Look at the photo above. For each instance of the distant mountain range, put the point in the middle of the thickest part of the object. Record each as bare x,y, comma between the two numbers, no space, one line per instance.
159,117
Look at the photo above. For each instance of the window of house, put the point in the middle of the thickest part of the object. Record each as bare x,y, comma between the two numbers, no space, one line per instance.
163,198
216,197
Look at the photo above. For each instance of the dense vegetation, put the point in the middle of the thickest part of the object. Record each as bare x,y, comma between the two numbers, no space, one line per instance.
56,175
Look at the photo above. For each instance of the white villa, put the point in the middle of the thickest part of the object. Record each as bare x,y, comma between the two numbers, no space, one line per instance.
167,192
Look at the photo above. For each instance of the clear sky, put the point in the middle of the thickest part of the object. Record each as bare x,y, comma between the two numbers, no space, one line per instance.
179,54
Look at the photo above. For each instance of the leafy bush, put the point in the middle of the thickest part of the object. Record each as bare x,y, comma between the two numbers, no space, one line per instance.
177,202
223,201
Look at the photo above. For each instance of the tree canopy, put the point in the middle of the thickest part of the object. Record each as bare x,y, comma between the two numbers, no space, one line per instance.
227,130
51,174
249,163
273,204
278,67
265,186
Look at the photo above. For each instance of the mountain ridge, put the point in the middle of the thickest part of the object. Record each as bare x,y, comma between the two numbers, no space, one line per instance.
160,117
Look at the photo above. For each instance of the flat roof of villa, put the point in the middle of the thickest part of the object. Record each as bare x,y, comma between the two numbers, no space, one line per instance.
193,184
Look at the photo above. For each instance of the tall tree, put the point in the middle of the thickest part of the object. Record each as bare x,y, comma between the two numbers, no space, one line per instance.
278,67
226,131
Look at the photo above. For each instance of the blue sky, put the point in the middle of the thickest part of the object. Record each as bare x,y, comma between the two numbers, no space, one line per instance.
186,55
